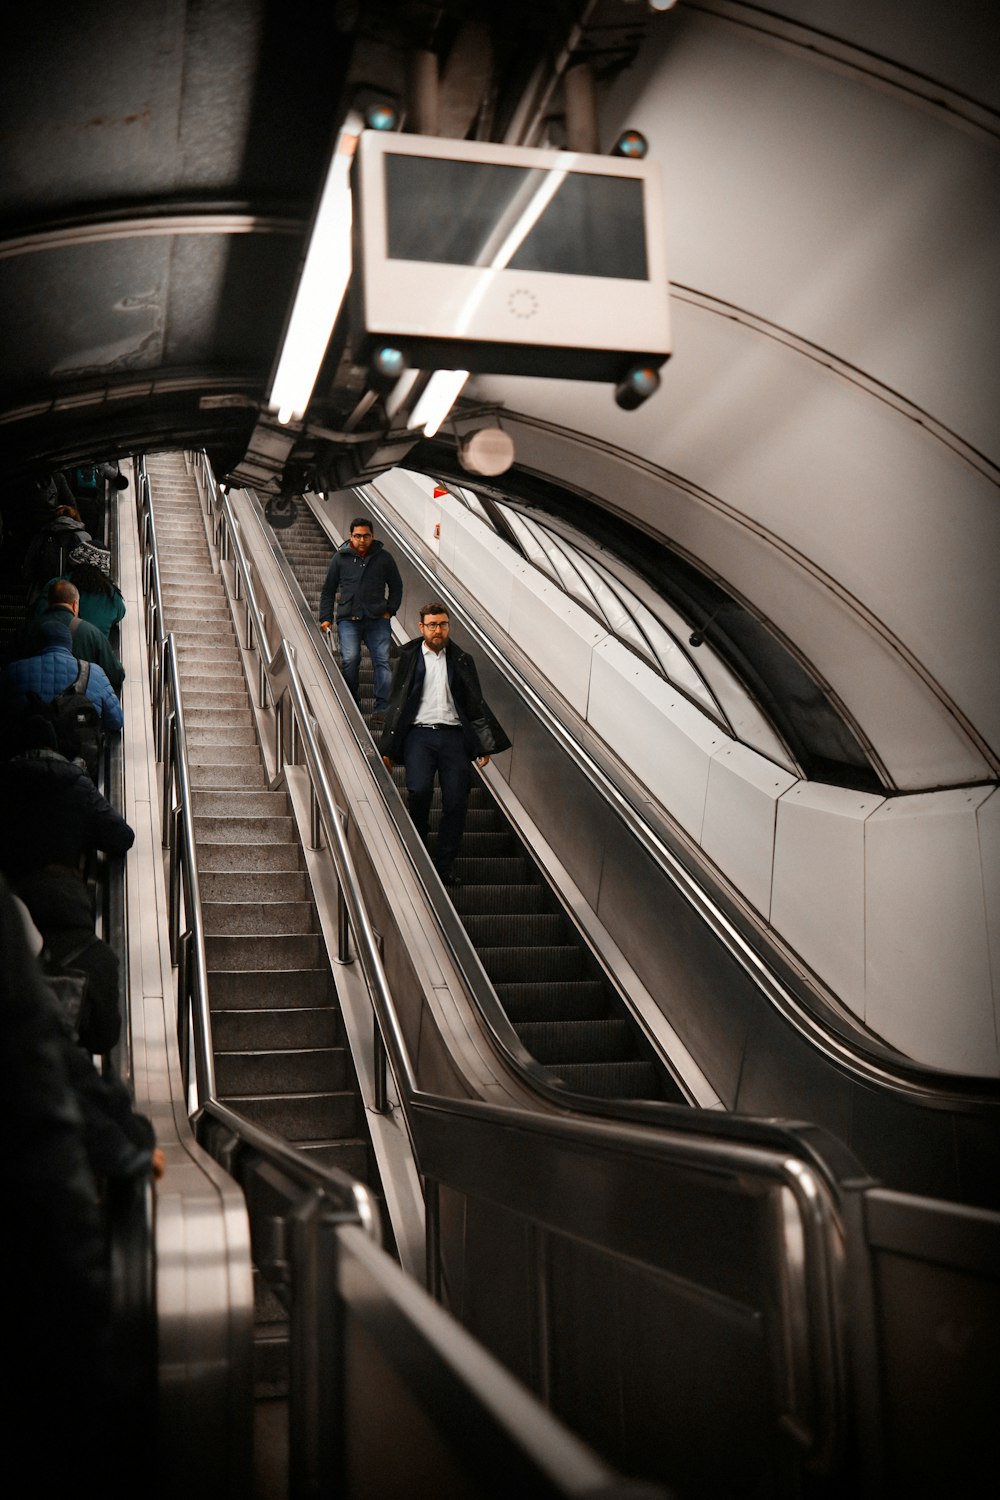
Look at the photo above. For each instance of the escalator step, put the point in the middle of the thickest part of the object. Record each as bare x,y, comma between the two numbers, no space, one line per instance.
518,929
556,1042
550,1000
611,1080
506,870
562,961
482,899
490,845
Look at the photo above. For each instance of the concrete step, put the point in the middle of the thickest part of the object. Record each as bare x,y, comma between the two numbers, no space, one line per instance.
204,698
248,857
222,755
236,989
249,772
198,735
274,951
288,885
263,830
240,803
251,918
217,718
214,617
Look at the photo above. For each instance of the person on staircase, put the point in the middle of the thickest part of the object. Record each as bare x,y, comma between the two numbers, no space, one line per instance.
89,643
362,591
101,602
437,723
52,669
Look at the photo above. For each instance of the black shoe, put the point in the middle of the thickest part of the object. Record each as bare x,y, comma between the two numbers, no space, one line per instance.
378,718
452,880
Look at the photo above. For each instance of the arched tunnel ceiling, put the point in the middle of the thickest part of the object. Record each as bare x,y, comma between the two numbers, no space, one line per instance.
162,162
825,441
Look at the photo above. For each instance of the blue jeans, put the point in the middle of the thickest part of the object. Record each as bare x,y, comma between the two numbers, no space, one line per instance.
377,636
426,751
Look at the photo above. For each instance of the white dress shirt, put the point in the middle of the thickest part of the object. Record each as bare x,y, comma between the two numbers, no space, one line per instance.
437,706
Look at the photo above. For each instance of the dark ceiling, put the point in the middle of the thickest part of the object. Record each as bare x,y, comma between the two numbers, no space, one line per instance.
161,163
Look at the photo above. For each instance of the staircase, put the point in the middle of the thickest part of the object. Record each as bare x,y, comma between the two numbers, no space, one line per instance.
280,1054
557,999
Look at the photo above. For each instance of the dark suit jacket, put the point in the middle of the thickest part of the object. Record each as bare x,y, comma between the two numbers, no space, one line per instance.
483,734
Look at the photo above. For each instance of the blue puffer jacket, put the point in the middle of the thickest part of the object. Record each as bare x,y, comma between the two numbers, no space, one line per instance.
53,669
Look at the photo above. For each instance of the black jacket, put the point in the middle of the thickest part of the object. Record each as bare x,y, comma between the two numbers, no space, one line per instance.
361,588
483,734
53,815
62,908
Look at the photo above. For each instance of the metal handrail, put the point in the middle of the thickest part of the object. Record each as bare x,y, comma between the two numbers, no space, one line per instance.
187,943
280,681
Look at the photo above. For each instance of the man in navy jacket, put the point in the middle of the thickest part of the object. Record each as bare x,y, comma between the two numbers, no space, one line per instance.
362,591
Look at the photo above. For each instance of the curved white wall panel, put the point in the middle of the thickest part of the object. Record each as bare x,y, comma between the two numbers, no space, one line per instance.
744,792
928,988
664,739
818,894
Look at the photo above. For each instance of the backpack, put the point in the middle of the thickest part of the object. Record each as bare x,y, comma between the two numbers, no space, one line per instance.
76,720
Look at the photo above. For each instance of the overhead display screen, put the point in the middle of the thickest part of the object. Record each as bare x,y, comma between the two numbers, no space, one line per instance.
468,213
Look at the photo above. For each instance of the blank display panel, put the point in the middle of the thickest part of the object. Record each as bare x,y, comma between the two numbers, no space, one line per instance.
466,213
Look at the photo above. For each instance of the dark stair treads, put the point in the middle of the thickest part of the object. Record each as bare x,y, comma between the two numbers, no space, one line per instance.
270,1342
506,869
517,929
487,846
278,989
350,1156
575,1041
629,1079
273,951
560,961
285,1071
300,1117
545,1000
497,899
286,1029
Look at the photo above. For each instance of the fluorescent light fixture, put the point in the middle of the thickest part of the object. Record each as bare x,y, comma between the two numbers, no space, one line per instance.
404,385
438,398
322,285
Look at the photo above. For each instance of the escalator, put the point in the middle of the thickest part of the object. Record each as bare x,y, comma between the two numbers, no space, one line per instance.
745,1029
562,1005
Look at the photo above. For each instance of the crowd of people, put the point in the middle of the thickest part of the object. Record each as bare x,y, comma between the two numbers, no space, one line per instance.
72,1117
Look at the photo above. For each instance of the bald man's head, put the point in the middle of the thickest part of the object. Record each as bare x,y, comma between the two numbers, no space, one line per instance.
64,595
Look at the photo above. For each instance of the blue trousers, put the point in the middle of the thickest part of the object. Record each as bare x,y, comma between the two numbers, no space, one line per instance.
377,636
441,752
